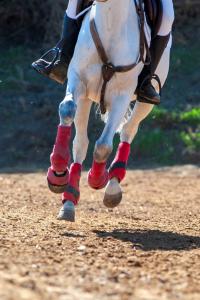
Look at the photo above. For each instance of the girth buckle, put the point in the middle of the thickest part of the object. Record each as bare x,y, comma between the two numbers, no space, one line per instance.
108,70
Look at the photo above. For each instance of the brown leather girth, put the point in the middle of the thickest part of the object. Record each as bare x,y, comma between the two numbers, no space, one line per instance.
108,69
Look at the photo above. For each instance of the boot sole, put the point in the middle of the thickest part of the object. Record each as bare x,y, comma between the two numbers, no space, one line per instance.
148,101
46,74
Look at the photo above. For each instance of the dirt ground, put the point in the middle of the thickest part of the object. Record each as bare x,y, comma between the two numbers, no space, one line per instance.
146,249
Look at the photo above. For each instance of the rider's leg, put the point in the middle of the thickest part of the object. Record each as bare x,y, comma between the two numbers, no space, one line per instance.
70,31
128,132
146,92
117,171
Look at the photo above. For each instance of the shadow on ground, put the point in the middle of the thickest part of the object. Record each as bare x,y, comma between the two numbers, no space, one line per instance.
72,235
149,240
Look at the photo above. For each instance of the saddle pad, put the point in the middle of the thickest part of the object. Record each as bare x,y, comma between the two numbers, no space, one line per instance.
154,14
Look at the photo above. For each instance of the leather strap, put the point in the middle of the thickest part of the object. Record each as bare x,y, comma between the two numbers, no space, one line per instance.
143,40
108,69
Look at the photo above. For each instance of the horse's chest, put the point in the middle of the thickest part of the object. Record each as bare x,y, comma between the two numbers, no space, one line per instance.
88,65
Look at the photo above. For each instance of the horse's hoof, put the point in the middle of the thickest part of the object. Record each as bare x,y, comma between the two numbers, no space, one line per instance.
111,201
113,193
56,189
67,212
98,183
57,183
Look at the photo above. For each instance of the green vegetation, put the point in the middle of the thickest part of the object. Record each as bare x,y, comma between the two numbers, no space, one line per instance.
171,118
16,73
184,60
191,117
169,136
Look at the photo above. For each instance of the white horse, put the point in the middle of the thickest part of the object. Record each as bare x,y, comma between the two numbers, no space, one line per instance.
117,24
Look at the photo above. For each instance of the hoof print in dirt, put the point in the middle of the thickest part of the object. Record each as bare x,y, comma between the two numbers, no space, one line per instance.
67,212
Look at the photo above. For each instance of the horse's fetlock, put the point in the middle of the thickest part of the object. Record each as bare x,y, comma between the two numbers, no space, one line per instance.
102,152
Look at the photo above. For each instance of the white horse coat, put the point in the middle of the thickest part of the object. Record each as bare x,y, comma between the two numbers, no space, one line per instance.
117,25
119,32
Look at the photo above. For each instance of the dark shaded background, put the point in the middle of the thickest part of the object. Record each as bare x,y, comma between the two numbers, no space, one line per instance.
35,21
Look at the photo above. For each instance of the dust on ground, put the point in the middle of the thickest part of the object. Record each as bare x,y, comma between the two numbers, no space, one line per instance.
146,249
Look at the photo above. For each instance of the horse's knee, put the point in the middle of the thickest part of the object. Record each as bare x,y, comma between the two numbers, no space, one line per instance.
67,110
102,152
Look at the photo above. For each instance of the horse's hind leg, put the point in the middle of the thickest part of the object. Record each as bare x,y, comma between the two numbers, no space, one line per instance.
117,171
130,128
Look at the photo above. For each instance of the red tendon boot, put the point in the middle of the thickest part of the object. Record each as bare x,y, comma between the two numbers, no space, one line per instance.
98,175
58,173
72,192
118,166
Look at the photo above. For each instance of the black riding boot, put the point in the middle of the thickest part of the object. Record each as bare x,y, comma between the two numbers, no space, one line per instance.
57,70
145,91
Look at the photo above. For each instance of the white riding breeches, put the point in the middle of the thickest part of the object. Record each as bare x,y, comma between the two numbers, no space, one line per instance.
168,18
72,8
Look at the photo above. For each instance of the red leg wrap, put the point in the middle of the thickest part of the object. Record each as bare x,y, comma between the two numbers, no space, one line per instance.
118,166
98,175
60,156
72,192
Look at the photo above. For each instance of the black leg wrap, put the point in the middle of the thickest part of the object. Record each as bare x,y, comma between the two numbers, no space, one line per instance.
158,45
118,165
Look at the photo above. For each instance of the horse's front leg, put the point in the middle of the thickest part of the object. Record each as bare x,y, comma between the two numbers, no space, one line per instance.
58,172
117,171
98,175
71,195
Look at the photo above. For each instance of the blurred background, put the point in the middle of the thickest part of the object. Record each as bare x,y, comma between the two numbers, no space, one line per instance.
29,102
